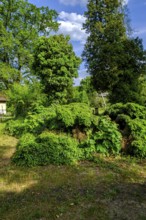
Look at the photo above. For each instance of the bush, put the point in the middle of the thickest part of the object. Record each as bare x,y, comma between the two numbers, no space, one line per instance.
56,117
105,139
27,152
73,115
131,119
34,122
132,110
137,147
15,127
48,148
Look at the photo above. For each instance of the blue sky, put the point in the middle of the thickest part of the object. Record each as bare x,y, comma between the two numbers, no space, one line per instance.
71,18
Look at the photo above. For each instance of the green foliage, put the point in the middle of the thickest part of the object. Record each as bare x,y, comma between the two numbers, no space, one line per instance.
143,89
55,117
94,134
137,146
35,122
55,64
85,93
66,117
74,115
25,98
8,76
82,113
15,127
132,64
133,110
131,118
114,61
27,153
48,148
79,96
21,23
105,26
61,148
106,138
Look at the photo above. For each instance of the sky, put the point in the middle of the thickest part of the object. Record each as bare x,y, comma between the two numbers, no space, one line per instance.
70,17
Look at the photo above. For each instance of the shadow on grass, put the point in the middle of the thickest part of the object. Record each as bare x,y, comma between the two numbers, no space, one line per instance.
89,191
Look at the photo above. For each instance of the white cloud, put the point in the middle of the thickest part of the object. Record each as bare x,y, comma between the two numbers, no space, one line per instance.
82,74
73,2
81,2
71,24
125,2
141,31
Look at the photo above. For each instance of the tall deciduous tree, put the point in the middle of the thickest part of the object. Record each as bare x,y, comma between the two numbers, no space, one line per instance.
108,51
56,64
21,23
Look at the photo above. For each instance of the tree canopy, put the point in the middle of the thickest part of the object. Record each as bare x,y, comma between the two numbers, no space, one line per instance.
112,58
21,23
56,64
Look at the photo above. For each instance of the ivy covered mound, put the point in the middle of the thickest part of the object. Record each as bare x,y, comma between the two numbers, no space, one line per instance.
131,119
65,134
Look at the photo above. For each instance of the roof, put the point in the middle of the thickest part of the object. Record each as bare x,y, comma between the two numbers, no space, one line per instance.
2,99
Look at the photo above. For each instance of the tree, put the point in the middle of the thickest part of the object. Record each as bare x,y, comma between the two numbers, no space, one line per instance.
55,64
105,27
112,59
21,23
86,85
8,76
132,65
25,98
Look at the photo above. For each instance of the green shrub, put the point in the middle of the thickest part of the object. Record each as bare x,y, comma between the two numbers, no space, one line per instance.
27,152
105,139
137,147
61,149
15,127
131,119
73,115
34,122
87,149
133,110
48,148
64,117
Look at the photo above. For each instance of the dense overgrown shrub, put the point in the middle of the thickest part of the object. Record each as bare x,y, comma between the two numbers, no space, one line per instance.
27,152
15,127
48,148
137,146
131,119
133,110
86,134
106,138
56,117
74,114
34,122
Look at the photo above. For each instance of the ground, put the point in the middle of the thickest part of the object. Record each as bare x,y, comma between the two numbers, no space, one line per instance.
106,189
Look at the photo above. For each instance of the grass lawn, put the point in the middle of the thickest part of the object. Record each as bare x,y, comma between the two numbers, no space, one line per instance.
108,188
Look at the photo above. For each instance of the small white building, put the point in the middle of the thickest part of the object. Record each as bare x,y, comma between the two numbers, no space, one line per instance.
3,106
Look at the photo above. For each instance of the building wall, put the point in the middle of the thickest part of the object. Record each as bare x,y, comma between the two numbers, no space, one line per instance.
3,108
